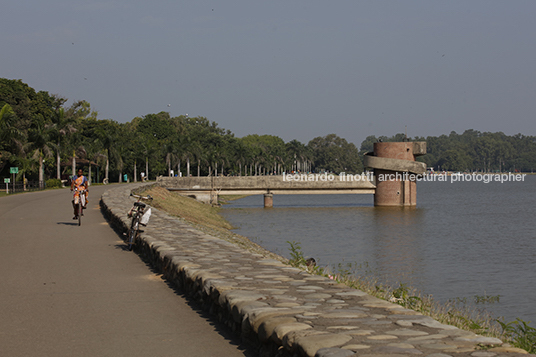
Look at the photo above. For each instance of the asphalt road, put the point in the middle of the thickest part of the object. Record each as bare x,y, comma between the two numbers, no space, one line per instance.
67,290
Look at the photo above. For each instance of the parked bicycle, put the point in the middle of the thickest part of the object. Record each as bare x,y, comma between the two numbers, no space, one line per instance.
140,216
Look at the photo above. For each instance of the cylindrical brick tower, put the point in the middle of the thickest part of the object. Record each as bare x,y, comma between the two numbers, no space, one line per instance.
395,170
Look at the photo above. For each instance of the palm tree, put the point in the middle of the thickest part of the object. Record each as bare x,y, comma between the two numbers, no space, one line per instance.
106,139
297,153
187,154
91,154
220,156
135,152
26,164
63,126
171,151
192,150
259,159
92,151
10,135
146,154
40,144
241,156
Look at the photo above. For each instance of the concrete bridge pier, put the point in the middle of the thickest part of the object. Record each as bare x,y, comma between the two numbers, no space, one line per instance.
396,171
268,200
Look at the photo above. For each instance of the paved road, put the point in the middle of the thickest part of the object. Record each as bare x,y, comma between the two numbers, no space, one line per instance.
67,290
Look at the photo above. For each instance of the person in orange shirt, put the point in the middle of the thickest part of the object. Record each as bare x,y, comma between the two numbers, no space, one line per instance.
79,182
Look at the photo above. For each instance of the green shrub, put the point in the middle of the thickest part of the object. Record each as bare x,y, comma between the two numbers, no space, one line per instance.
297,259
52,183
520,334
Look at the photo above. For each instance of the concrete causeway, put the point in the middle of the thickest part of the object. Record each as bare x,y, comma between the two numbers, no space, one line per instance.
283,310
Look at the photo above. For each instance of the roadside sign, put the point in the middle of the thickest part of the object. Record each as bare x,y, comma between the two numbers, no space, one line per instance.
6,180
13,170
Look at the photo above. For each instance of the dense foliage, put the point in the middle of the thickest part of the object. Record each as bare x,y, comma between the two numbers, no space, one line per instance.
473,151
41,136
45,139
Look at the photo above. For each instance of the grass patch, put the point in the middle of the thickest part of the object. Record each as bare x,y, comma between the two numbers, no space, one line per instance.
203,217
187,208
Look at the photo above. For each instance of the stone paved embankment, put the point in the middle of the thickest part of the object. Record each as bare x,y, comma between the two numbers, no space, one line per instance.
283,310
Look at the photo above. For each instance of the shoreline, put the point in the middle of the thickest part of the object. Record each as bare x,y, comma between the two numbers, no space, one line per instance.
391,293
283,308
367,284
221,230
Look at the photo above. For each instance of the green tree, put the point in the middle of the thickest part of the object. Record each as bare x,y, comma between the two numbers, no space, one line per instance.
453,160
26,165
298,156
367,145
266,151
334,154
62,127
106,137
27,103
484,149
241,155
172,152
10,135
40,144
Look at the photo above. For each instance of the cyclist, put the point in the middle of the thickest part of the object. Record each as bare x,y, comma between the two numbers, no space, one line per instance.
79,182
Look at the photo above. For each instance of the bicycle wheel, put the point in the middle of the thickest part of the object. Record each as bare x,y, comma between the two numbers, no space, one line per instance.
131,238
79,211
132,233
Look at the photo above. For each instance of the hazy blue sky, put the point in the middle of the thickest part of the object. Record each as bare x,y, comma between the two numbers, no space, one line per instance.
296,68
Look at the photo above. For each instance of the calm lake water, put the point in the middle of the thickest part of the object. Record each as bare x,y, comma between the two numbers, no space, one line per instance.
464,238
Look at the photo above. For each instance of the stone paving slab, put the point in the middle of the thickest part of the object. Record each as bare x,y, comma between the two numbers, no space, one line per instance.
284,310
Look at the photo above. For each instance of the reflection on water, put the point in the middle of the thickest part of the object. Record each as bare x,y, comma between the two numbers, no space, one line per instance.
463,239
395,232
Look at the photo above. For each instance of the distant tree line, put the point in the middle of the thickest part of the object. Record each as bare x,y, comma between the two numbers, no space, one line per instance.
472,151
44,138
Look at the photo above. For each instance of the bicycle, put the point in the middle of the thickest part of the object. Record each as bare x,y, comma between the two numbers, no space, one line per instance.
139,217
81,204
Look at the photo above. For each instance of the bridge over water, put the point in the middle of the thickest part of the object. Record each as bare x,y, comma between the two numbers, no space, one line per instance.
395,160
207,189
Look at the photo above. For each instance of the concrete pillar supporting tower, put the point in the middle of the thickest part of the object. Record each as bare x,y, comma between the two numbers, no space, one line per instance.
268,200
